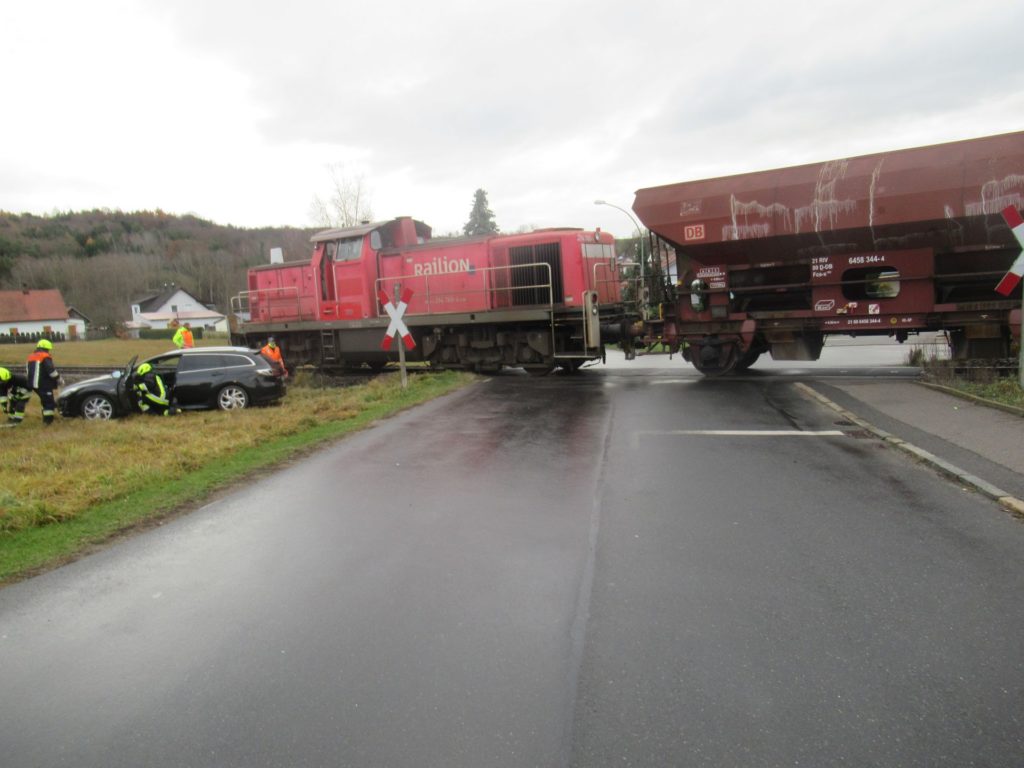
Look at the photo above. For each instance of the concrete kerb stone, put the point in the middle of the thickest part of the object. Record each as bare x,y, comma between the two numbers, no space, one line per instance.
1006,500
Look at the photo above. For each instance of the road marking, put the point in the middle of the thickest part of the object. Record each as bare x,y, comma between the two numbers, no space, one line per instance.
747,432
637,436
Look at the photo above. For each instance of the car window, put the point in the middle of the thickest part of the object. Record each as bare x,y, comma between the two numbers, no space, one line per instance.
235,361
163,365
199,362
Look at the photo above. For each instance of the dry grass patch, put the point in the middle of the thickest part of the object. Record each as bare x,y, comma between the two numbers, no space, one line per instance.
76,482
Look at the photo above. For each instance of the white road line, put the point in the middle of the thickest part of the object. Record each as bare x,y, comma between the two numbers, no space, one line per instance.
637,436
742,432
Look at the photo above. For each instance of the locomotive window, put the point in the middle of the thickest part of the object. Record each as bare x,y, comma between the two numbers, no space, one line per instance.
598,251
329,251
349,250
375,242
871,283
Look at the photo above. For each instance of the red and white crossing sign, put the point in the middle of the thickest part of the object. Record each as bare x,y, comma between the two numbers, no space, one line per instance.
1012,278
397,325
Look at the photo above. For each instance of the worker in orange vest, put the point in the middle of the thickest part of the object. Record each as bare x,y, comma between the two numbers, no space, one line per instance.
183,337
273,355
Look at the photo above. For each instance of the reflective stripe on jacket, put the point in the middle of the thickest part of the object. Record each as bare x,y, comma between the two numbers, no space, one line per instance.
151,388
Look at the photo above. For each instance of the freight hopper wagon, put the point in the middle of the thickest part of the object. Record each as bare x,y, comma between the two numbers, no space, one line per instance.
889,244
536,300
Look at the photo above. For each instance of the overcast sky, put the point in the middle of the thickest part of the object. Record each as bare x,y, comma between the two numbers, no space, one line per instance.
234,111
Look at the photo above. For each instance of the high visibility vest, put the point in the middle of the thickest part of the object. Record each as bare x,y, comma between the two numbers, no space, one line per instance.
273,354
40,371
183,338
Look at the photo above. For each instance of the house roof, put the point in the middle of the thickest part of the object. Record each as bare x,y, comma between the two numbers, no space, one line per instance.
28,306
154,300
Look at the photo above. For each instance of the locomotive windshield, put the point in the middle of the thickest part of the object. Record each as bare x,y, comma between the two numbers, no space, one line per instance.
349,249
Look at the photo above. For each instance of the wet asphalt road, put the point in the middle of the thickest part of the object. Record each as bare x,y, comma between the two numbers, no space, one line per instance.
626,567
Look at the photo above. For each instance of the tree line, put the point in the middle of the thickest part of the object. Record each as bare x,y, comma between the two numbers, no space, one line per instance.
102,261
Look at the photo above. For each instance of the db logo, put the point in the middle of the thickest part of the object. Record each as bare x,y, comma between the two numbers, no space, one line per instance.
693,232
825,305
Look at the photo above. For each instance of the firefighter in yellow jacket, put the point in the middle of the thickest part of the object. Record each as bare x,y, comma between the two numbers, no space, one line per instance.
151,394
14,395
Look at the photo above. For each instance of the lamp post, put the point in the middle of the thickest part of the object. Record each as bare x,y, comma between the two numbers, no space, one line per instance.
640,234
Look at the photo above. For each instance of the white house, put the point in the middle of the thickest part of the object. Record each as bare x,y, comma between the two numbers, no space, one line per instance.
173,303
44,312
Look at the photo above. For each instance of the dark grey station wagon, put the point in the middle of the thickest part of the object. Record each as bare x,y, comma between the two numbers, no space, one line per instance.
227,378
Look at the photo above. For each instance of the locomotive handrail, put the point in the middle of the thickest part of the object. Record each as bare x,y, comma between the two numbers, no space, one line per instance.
433,297
284,295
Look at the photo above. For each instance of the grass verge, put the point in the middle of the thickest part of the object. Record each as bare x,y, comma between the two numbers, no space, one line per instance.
998,384
112,352
68,487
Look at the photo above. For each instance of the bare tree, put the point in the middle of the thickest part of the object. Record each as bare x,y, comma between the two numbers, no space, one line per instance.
349,201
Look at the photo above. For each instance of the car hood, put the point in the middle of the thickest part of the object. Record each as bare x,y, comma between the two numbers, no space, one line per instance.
105,383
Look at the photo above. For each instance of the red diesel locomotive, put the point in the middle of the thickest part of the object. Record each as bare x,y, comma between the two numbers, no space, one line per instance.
890,243
545,299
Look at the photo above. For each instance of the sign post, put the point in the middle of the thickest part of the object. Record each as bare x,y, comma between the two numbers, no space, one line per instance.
1012,279
397,326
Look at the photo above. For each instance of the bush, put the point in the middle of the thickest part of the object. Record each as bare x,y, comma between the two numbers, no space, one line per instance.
30,338
166,333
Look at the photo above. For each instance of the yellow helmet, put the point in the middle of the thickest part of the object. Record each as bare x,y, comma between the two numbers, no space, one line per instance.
45,344
5,375
143,369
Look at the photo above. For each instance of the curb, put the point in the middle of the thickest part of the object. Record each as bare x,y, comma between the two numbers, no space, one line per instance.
973,398
1004,499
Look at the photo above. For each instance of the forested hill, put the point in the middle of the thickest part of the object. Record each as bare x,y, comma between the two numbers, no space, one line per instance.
101,260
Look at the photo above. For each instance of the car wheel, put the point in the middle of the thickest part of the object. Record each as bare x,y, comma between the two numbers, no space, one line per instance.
232,398
97,408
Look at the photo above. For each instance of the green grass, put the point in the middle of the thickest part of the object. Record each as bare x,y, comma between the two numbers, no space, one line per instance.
70,486
983,382
1005,390
112,352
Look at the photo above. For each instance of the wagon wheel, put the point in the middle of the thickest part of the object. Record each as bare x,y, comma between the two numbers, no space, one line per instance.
746,360
714,359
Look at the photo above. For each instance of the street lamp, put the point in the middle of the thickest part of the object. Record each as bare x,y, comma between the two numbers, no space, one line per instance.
640,234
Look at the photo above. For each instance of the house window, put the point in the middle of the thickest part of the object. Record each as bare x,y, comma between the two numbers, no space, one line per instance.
174,307
47,330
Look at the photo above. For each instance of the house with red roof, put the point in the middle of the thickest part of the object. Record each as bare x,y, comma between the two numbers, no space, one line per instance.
25,313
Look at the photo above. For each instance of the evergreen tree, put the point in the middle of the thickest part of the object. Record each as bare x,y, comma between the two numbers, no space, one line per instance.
481,218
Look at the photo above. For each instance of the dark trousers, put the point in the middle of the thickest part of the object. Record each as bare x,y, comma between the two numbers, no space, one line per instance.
49,404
